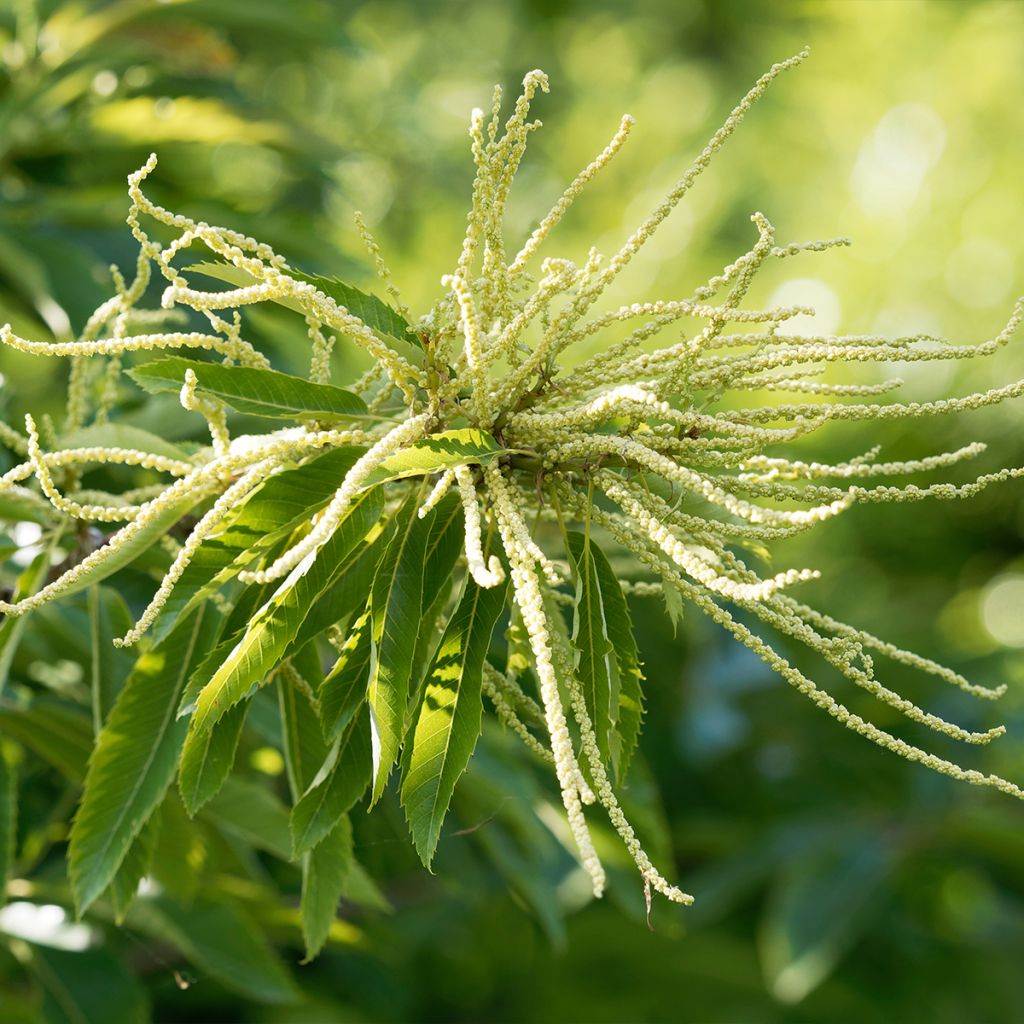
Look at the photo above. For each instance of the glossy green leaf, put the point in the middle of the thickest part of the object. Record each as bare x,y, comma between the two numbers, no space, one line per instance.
449,720
325,872
220,941
595,661
134,760
275,625
207,758
395,605
248,389
340,782
436,453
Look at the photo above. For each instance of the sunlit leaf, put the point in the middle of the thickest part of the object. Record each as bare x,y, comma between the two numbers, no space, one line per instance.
436,453
448,724
207,757
248,389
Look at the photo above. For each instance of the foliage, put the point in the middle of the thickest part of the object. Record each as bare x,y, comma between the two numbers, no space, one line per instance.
309,560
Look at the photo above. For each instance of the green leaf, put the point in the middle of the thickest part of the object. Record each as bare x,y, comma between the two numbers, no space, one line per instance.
109,617
395,606
57,732
275,625
340,782
325,872
344,688
136,864
449,720
269,514
629,715
251,390
120,435
253,814
8,820
71,993
134,759
595,662
437,452
375,313
181,850
220,941
207,758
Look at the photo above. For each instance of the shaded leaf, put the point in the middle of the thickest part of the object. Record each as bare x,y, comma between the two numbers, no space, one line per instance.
252,813
324,873
251,390
134,759
109,617
343,690
57,732
449,720
8,820
71,994
136,864
207,758
120,435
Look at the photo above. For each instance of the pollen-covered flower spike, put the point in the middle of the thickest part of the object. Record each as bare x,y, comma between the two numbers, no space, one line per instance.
480,431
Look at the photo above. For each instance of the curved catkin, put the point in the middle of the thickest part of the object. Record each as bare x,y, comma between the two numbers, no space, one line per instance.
666,443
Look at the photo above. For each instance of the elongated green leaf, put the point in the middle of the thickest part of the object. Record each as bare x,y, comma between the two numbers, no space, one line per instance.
8,820
134,759
58,733
181,850
344,688
324,874
275,625
252,813
267,516
374,312
125,884
448,724
340,782
251,390
595,661
120,435
305,749
71,995
220,941
395,605
629,717
109,617
436,453
207,757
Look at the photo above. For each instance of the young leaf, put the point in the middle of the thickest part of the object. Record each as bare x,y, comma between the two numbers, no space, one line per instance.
595,662
436,453
395,604
275,625
134,759
448,724
250,390
341,781
207,757
324,874
629,716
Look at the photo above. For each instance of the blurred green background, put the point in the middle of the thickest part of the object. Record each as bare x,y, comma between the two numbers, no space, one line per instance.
833,881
